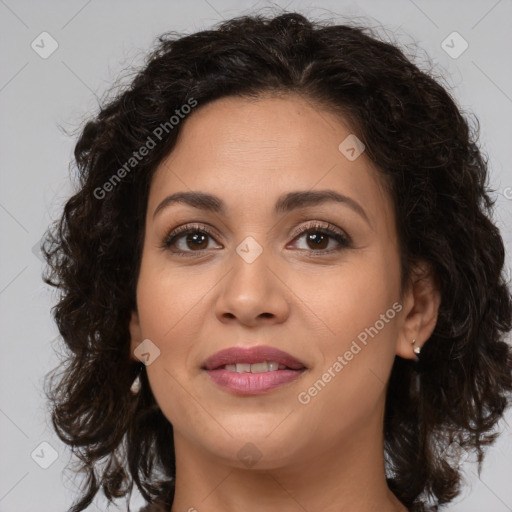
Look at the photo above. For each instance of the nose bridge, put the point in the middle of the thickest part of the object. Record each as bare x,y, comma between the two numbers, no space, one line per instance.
251,290
249,281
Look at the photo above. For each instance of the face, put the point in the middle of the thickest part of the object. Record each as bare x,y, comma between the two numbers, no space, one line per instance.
319,280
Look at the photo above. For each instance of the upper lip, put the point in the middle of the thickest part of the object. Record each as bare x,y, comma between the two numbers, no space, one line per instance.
251,355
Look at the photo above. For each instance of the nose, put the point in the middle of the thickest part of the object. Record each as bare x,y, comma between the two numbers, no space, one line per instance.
252,293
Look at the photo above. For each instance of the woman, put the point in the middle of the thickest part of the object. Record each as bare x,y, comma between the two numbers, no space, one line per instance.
281,286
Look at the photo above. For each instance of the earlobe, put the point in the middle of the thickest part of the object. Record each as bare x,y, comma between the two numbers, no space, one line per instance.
419,316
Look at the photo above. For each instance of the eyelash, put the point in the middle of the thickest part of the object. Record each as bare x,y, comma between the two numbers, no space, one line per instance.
313,227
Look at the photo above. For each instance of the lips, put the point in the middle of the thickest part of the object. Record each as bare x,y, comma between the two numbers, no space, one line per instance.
252,371
253,355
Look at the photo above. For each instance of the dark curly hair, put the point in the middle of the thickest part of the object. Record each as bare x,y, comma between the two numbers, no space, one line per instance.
427,154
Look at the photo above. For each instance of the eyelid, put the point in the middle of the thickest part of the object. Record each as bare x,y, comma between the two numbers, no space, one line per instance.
320,225
184,229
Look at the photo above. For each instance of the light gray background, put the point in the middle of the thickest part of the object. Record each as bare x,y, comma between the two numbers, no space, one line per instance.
97,40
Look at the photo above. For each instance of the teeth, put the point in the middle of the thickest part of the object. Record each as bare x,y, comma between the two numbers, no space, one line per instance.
265,366
254,368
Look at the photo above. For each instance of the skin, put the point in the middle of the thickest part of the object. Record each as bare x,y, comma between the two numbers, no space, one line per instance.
326,455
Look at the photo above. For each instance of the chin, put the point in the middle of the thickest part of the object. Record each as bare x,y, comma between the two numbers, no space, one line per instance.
253,447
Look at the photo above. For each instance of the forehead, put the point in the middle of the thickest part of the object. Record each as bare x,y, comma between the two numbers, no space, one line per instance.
250,151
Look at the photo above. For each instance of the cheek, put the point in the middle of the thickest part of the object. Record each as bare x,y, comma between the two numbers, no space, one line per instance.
359,308
168,299
167,305
356,361
351,297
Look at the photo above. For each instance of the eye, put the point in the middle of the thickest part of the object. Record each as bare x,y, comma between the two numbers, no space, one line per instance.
188,239
193,238
318,236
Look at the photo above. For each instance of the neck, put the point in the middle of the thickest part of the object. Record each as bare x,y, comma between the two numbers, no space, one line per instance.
347,477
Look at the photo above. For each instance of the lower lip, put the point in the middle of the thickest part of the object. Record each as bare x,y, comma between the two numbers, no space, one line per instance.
252,383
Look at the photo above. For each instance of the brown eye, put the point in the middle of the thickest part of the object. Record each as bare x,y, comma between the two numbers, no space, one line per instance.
196,240
318,237
317,240
187,239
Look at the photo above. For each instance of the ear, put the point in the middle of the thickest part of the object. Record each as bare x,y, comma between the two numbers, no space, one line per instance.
420,303
135,334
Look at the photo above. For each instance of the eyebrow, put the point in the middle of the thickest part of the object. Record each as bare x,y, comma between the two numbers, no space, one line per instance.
285,203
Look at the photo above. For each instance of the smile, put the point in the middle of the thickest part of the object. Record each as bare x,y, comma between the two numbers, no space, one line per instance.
265,366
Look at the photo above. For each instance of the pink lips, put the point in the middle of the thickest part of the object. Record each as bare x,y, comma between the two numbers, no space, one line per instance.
252,383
